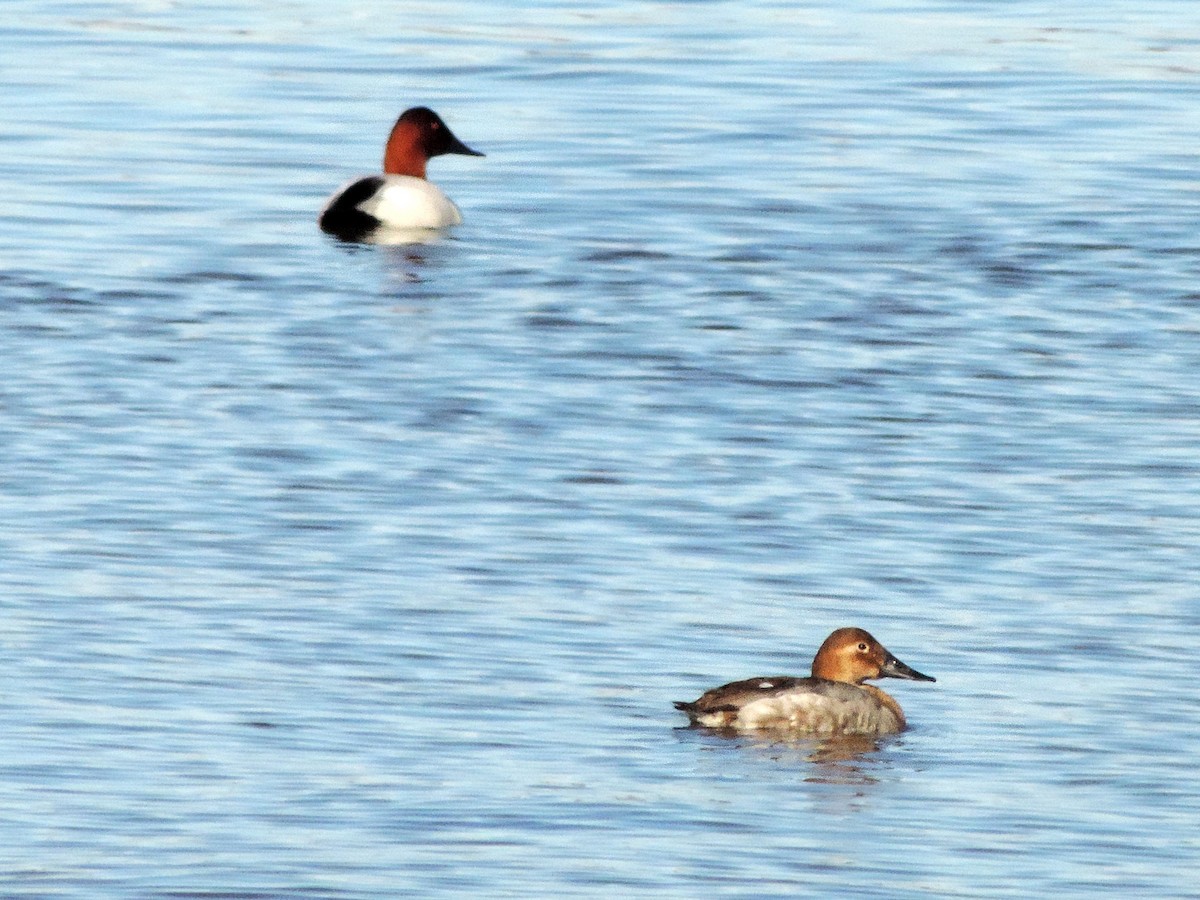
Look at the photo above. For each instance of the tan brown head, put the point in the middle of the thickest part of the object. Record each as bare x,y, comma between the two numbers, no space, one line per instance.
853,656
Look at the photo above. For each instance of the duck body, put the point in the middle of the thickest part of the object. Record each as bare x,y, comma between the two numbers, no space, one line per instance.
401,199
376,202
833,701
808,705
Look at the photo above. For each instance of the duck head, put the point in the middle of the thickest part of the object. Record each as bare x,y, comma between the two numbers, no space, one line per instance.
853,656
418,136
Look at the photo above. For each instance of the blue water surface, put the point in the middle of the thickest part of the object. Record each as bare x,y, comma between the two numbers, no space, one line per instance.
345,571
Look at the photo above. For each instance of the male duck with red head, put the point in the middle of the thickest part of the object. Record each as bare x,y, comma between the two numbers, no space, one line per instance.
401,198
834,701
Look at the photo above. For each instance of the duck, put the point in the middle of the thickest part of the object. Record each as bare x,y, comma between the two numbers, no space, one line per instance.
833,701
401,198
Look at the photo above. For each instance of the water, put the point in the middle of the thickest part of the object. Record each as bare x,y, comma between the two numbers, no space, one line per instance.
370,572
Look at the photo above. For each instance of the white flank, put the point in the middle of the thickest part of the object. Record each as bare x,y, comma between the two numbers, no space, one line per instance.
407,202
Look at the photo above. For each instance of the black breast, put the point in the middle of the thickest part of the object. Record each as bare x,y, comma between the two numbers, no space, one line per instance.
343,219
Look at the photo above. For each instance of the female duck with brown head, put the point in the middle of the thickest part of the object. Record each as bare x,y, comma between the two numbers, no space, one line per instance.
833,701
401,198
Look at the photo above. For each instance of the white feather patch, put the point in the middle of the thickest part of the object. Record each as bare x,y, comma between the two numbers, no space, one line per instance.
407,202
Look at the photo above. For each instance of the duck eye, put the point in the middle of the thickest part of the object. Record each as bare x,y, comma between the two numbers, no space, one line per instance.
862,648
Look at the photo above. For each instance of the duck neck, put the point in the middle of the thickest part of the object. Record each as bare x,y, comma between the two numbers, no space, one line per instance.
831,667
404,154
